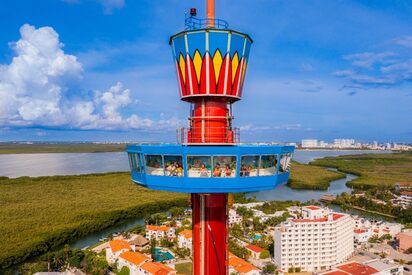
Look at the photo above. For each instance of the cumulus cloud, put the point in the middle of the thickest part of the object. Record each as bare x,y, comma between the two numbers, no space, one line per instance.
38,89
380,69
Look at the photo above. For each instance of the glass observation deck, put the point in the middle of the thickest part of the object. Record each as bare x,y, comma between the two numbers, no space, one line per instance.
210,169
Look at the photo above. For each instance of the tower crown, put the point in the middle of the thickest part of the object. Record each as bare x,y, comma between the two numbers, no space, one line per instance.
210,61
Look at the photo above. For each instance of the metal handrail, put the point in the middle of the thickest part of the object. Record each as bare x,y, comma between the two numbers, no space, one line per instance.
193,23
231,135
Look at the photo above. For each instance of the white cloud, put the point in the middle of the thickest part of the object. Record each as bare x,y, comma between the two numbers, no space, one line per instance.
405,41
37,89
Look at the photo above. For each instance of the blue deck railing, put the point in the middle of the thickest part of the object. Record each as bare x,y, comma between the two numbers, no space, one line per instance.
193,23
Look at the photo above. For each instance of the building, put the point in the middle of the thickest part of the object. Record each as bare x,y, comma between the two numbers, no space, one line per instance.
405,241
184,239
255,251
403,185
234,217
139,242
344,143
318,241
160,232
309,143
241,267
155,268
373,267
362,235
115,248
132,260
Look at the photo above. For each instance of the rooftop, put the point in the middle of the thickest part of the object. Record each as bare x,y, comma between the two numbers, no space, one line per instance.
187,234
157,228
240,265
355,268
135,258
117,245
255,248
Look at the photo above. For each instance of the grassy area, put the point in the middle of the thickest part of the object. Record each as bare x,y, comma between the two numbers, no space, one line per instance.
40,214
303,176
184,268
12,148
372,169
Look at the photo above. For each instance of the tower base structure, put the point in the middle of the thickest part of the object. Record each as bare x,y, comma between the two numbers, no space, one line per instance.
210,233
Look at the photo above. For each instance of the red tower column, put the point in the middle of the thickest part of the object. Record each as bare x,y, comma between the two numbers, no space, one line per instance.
210,123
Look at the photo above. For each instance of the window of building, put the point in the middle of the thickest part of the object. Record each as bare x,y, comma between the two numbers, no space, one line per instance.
249,166
224,166
285,162
154,165
268,165
173,166
199,166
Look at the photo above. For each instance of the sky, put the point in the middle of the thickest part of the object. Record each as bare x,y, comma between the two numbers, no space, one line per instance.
102,70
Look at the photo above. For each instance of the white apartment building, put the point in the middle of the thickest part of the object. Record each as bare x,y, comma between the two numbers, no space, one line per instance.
160,232
309,143
343,143
362,235
184,239
318,241
234,217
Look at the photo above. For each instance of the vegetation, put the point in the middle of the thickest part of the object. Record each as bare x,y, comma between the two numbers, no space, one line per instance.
373,169
184,268
42,214
304,176
269,269
271,207
370,204
238,250
264,254
13,148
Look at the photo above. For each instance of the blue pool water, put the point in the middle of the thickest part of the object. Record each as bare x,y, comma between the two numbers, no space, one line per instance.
161,256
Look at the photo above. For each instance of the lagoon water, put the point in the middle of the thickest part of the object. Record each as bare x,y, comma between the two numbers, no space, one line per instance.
34,165
17,165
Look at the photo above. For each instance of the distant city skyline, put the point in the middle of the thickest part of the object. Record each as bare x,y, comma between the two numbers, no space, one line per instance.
102,70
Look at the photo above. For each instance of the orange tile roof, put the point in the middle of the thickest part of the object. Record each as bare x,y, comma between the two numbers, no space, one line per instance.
312,207
187,234
337,216
240,265
355,268
406,193
157,228
359,231
117,245
405,184
255,248
156,268
336,272
135,258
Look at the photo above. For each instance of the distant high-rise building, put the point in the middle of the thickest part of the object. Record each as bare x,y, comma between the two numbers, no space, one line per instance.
309,143
318,241
343,143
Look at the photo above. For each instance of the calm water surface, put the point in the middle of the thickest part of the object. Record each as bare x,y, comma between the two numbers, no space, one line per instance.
34,165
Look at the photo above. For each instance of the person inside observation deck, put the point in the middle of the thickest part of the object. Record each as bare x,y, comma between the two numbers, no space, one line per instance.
203,171
228,171
217,172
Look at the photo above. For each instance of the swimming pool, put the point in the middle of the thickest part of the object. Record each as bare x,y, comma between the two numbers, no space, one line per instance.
161,256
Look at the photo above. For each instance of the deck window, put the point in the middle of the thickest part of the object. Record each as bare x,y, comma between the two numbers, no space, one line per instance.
224,166
134,162
154,165
249,166
285,162
173,166
199,166
268,165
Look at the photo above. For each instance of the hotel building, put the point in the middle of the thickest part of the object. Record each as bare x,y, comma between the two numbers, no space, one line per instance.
318,240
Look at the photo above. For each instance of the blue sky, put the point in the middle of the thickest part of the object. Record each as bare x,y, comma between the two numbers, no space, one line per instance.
102,69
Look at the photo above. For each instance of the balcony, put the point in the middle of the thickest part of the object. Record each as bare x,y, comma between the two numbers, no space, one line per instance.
209,135
193,23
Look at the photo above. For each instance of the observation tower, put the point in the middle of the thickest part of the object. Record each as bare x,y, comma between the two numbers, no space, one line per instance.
208,159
